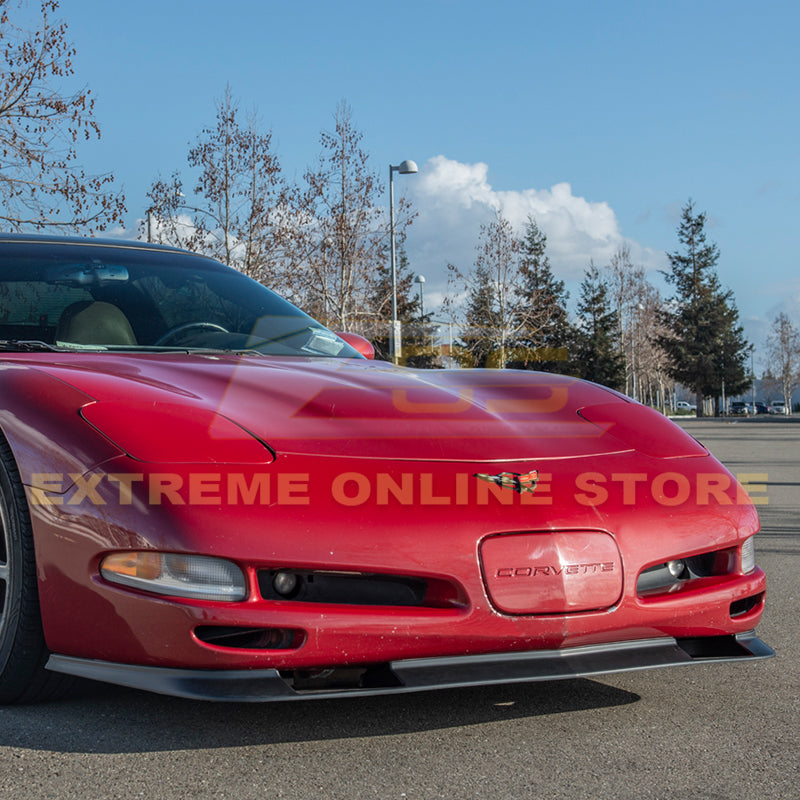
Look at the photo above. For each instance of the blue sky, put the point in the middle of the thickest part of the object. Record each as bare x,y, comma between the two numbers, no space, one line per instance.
602,118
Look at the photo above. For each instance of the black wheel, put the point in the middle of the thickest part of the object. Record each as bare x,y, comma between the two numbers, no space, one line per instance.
23,678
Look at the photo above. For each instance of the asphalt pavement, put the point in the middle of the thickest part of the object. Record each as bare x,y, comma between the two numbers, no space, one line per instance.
719,732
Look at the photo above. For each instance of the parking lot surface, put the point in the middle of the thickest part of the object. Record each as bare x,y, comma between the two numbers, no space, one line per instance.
707,732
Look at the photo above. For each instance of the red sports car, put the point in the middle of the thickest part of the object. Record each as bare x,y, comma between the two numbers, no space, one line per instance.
204,492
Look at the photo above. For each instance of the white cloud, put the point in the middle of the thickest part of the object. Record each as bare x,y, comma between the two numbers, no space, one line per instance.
455,199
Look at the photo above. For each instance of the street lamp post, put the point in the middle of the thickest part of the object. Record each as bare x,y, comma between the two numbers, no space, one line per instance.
420,279
634,331
404,168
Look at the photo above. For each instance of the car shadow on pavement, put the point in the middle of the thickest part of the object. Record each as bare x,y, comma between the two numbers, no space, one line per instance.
97,718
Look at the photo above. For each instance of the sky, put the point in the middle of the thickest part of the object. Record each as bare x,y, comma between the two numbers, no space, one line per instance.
602,118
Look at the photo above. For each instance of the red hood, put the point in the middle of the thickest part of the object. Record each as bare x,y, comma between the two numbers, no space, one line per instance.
358,408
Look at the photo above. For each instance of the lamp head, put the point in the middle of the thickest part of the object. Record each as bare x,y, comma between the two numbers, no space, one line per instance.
407,167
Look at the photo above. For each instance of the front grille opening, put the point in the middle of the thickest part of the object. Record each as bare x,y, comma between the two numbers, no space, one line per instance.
356,588
713,647
250,638
342,588
378,676
744,606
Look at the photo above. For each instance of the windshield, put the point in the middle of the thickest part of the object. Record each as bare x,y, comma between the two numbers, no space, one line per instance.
101,297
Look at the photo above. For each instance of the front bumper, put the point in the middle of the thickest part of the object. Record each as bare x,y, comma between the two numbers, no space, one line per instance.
411,675
442,535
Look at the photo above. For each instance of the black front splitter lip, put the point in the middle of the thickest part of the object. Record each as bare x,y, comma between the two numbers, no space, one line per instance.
413,675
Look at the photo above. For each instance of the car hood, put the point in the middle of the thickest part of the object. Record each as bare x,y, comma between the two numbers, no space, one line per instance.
355,408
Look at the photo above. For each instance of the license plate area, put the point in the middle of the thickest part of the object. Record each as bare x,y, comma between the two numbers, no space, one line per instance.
552,572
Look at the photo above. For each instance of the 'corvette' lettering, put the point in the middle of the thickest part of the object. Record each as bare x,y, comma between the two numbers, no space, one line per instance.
566,569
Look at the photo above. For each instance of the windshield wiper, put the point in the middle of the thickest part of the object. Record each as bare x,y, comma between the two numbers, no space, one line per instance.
27,346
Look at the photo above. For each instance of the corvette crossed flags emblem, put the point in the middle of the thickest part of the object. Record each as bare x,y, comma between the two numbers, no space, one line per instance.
513,480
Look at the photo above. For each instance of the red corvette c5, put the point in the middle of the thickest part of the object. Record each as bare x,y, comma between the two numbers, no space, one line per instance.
205,493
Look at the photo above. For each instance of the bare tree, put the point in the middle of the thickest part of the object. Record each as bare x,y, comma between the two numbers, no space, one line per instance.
651,364
638,305
341,234
41,183
783,355
167,220
237,211
622,289
499,308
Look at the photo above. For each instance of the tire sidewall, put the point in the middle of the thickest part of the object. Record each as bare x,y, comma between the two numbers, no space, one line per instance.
15,560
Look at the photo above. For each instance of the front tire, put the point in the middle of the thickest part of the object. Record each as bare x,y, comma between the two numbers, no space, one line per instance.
23,654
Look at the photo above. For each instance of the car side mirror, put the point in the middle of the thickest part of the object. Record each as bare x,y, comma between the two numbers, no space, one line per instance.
359,343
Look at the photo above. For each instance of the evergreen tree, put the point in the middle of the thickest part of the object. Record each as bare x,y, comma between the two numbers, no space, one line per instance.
546,328
479,338
596,356
704,341
730,361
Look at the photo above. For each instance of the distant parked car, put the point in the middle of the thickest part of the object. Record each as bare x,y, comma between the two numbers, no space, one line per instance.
682,405
739,408
779,407
762,408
